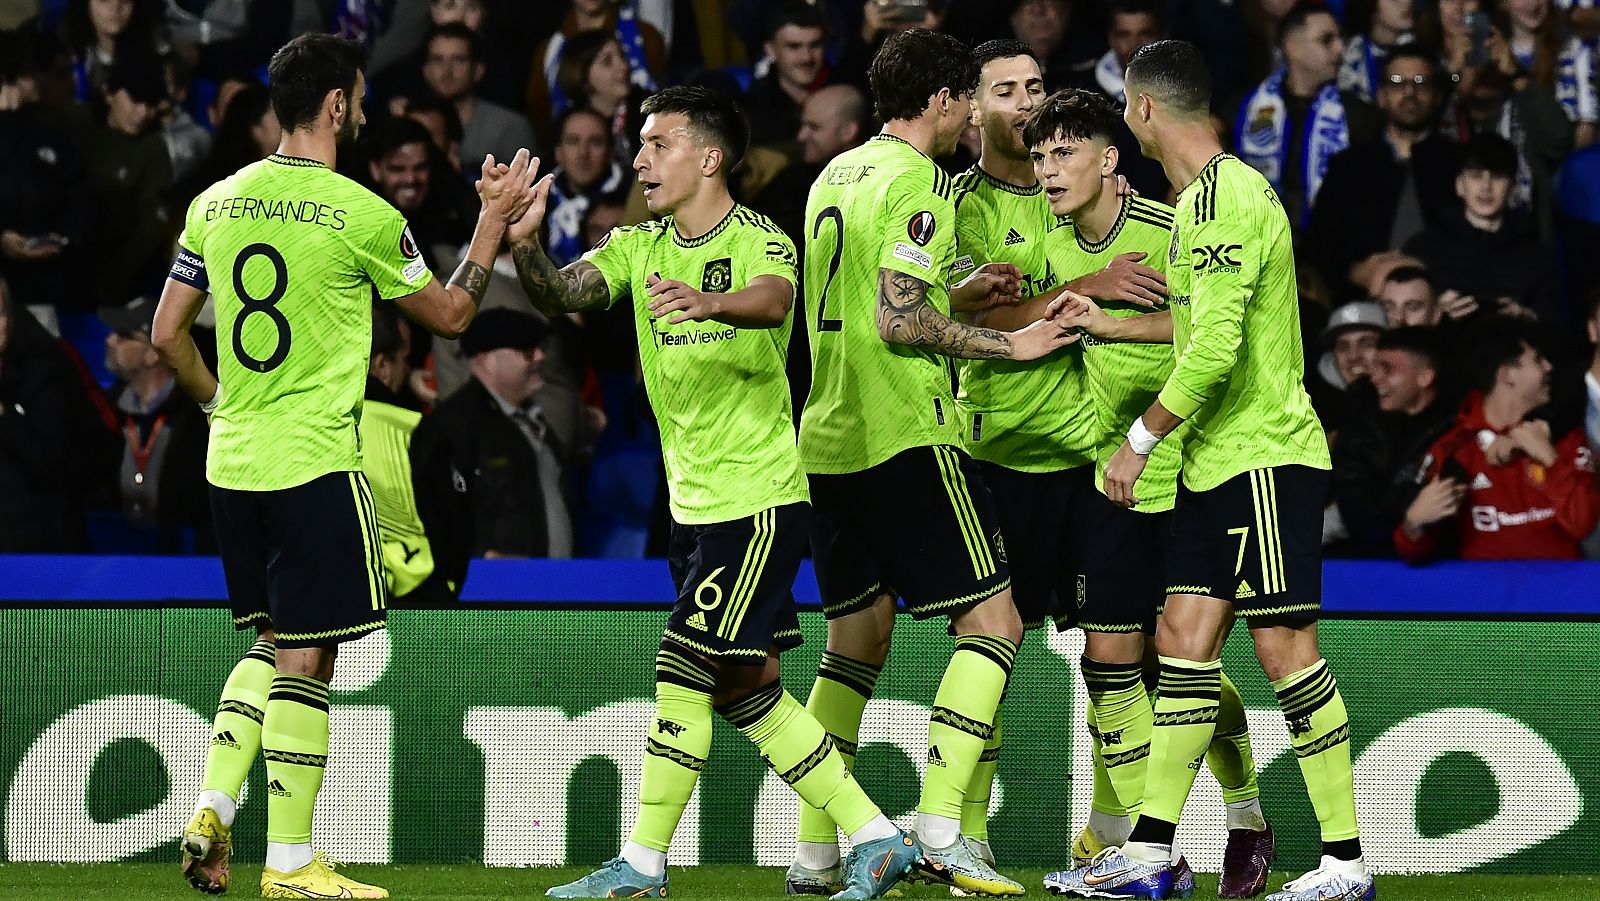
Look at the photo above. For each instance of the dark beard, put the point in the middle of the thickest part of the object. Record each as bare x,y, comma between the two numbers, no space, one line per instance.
349,129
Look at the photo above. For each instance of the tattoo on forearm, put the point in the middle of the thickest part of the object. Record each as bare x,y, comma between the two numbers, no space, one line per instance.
473,279
905,317
553,289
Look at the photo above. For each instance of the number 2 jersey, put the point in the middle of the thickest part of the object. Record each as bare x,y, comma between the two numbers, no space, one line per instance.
292,253
883,205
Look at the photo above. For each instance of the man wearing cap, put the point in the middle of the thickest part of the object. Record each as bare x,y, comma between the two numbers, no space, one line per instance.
1350,337
161,475
487,466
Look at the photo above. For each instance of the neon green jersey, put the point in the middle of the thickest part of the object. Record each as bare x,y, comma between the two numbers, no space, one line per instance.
882,205
721,394
1124,378
1236,330
1033,416
386,459
292,253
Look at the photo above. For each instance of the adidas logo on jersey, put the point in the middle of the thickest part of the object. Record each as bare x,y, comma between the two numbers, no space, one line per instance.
1245,591
224,738
276,788
934,757
1014,237
1481,481
697,621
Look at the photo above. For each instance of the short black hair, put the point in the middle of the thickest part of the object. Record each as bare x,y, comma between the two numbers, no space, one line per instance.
717,121
1419,340
1487,151
914,65
1402,274
1074,114
1501,343
396,132
386,338
1297,16
1418,53
1136,8
1172,71
139,74
1003,48
797,13
304,70
459,32
429,102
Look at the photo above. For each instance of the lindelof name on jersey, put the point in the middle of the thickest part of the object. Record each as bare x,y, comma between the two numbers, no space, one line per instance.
846,175
309,211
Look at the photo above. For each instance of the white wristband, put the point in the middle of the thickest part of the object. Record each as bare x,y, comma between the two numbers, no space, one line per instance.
211,405
1141,438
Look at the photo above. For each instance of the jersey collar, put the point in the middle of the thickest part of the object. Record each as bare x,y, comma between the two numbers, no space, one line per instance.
1007,186
1116,229
719,228
286,160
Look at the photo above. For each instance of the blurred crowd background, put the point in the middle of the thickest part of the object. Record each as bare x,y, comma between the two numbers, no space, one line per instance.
1437,160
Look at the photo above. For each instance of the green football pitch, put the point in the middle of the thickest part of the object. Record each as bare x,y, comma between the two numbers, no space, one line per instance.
427,883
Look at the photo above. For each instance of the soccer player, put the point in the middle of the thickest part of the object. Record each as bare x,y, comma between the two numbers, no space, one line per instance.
1246,536
711,285
298,252
900,509
1119,550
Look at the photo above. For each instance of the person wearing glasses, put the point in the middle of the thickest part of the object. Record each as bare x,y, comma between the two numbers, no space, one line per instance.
1381,193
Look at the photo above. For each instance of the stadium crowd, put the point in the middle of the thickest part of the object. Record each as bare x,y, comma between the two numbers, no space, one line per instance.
1437,159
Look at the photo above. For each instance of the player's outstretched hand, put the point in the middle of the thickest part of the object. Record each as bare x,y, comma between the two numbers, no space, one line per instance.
1126,278
990,285
1076,311
670,297
504,190
1040,338
1122,471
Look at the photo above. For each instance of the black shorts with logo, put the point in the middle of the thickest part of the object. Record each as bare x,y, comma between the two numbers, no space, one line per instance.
1254,541
1041,522
734,579
920,525
1121,581
306,560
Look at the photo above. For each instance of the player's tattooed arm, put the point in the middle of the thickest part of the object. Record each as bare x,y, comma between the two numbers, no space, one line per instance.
555,290
473,279
905,317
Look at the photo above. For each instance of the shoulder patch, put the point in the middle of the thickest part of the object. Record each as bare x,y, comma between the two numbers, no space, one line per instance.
921,228
408,244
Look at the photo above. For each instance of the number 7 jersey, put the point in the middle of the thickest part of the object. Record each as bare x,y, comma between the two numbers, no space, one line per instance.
883,205
293,254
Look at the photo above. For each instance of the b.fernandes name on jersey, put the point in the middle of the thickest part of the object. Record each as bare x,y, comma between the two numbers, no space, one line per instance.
282,210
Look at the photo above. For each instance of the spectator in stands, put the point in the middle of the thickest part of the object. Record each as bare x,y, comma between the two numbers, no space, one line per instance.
1487,251
98,30
1291,125
1131,24
594,75
489,480
1408,298
161,478
505,74
439,117
1351,339
389,417
45,197
877,22
187,141
1221,29
248,132
40,514
1539,505
586,171
411,174
1066,54
640,46
1381,193
1530,43
835,119
453,70
132,175
1381,447
602,216
794,47
1362,70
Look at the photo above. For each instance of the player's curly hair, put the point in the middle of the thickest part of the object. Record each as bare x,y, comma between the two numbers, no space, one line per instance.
304,70
912,66
1073,114
717,121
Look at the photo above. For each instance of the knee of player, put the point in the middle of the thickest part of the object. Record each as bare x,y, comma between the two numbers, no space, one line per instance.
996,616
315,662
1285,650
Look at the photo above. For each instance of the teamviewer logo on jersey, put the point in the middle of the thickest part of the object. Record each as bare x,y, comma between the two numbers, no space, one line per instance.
717,277
920,228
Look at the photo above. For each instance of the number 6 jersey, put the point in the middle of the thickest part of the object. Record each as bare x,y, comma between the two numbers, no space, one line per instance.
883,205
292,253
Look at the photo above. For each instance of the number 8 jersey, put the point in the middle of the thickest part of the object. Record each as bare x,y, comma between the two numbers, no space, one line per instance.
292,253
883,205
